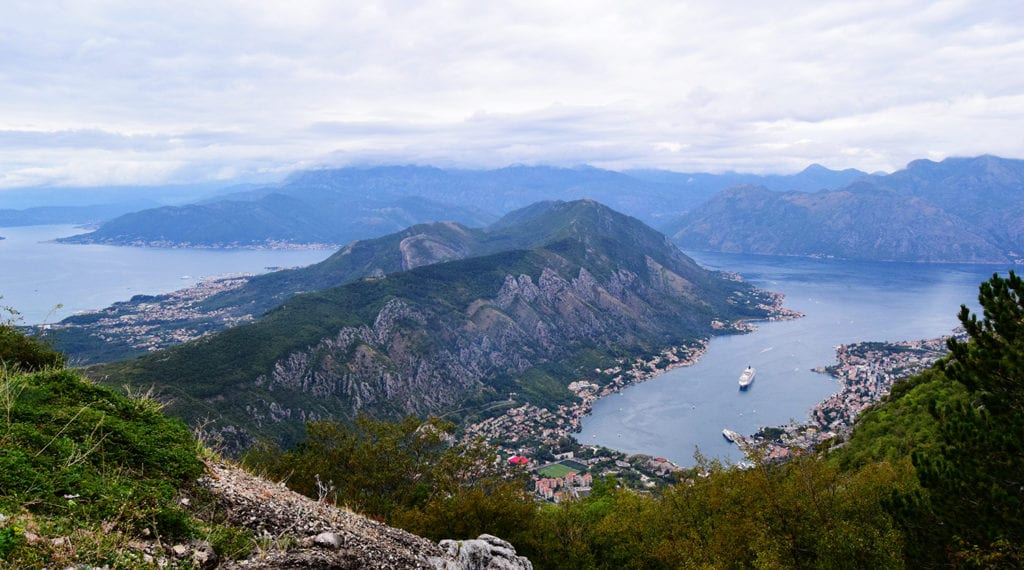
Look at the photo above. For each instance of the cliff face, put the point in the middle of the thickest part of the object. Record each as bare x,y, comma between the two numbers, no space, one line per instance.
455,337
417,360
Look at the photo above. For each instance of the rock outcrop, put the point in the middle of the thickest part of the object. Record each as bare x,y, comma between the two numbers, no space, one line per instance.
484,553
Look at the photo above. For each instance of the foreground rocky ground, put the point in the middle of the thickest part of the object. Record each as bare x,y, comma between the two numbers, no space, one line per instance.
302,533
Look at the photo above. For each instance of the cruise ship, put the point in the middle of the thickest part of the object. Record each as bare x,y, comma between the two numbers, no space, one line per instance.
747,377
732,436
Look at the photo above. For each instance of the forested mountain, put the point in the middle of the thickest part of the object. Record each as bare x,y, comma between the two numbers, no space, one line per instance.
957,210
336,206
574,286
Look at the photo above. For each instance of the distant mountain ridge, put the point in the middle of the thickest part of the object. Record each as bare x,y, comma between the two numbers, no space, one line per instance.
336,206
957,210
45,215
592,285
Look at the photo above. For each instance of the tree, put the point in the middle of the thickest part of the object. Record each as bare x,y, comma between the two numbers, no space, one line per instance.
975,477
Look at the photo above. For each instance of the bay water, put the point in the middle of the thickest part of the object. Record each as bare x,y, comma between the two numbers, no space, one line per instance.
37,274
685,409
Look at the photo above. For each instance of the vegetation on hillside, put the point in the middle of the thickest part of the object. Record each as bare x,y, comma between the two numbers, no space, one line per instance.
84,470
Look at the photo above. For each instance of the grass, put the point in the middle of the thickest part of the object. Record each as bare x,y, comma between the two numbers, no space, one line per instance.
86,472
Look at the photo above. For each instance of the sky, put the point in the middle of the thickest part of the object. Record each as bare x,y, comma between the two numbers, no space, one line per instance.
108,92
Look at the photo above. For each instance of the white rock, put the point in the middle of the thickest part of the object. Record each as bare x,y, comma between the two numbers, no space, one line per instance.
486,552
330,540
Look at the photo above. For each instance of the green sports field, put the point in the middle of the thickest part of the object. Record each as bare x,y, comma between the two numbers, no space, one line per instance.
555,471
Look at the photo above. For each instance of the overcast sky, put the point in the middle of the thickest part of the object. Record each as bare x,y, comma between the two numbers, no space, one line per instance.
107,92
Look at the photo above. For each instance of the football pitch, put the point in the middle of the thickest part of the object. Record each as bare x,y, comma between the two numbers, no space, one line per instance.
555,471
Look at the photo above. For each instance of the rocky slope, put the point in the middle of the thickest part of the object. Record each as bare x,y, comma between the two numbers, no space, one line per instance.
959,210
303,533
454,336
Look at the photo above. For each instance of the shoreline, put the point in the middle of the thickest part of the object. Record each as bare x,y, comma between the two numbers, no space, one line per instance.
519,423
866,372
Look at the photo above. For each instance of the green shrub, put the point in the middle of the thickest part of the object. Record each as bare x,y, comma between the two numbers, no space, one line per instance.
11,537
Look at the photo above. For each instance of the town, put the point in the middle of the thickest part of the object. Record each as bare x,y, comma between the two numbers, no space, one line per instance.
155,322
562,468
866,372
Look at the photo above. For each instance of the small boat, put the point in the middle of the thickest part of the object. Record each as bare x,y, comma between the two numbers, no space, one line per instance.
747,377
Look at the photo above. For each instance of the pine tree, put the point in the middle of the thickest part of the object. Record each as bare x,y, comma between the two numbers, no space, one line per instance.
976,476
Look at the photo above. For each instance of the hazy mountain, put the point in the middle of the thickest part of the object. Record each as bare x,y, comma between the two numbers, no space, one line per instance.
958,210
814,177
273,220
593,286
140,196
335,206
43,215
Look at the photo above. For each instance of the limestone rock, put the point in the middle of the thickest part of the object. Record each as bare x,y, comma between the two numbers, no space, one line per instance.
486,552
331,540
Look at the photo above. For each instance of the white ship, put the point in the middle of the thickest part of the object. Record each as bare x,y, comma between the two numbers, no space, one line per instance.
732,436
747,377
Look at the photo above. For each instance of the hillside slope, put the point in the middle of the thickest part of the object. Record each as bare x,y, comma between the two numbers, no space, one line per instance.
91,478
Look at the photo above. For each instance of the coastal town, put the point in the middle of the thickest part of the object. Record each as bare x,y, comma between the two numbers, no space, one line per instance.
148,323
545,438
866,372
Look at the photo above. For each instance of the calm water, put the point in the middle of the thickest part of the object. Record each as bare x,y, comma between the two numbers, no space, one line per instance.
687,408
36,275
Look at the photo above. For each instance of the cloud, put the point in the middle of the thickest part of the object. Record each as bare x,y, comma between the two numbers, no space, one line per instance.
139,92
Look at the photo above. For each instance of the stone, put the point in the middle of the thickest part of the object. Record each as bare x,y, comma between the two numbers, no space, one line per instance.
204,555
486,552
179,550
330,540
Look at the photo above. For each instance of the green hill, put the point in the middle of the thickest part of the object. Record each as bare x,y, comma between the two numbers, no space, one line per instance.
590,286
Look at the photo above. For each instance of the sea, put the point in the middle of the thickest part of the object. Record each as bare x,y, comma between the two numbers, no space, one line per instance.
46,281
682,412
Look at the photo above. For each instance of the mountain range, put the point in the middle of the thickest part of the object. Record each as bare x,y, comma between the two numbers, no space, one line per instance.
336,206
957,210
554,292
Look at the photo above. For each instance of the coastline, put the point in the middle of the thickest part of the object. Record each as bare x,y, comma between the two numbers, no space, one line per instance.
516,431
866,372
